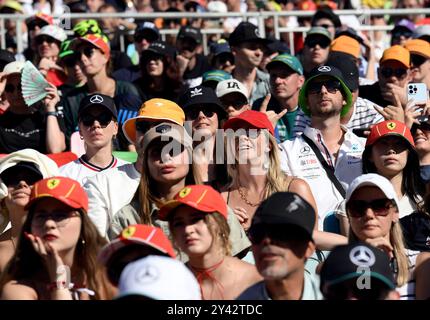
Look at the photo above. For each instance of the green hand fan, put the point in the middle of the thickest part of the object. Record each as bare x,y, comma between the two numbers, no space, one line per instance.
33,84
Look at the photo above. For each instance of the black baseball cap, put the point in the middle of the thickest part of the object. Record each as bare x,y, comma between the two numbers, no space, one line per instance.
161,48
6,56
244,32
348,31
347,65
285,208
98,99
347,262
29,169
201,95
148,30
191,33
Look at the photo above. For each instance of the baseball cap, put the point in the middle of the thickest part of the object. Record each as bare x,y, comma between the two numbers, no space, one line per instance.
327,13
390,128
290,61
325,71
89,26
53,31
346,63
66,190
190,32
319,31
219,47
6,56
21,166
418,46
65,49
97,99
200,197
45,18
215,75
154,110
201,95
158,278
422,32
256,119
278,46
96,40
285,208
244,32
166,131
142,234
12,4
217,6
397,53
404,23
148,30
159,47
13,67
344,262
347,45
372,180
231,86
348,31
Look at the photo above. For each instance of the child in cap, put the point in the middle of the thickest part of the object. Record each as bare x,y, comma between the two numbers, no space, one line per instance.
135,242
57,249
18,173
197,217
256,158
372,207
98,127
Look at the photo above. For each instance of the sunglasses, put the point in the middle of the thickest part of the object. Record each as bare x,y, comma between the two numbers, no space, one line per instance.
398,34
60,218
195,112
277,233
326,26
380,207
13,178
236,104
87,51
103,119
313,42
417,60
389,72
71,61
41,39
423,126
10,88
143,126
332,86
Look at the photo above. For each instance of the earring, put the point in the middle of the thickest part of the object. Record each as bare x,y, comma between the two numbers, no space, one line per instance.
82,138
83,242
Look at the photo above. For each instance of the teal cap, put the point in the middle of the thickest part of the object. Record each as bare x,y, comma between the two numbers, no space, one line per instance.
216,75
290,61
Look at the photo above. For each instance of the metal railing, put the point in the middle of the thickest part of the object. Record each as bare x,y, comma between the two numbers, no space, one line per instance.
363,16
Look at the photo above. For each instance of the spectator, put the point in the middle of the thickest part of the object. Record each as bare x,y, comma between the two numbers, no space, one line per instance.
281,236
341,274
420,60
233,96
34,25
402,32
98,125
326,18
210,79
327,156
191,63
316,49
422,32
57,241
18,173
94,5
247,46
39,127
6,57
197,217
174,281
221,57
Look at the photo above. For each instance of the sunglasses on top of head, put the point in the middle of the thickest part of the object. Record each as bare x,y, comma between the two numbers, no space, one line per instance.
332,86
103,119
380,207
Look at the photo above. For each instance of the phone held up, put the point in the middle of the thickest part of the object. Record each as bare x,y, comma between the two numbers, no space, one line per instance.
418,93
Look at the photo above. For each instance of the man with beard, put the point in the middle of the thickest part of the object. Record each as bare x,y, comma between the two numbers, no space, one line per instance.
327,155
281,237
247,47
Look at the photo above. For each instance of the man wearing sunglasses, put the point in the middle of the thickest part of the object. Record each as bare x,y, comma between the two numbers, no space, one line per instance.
316,48
394,76
281,237
327,155
420,60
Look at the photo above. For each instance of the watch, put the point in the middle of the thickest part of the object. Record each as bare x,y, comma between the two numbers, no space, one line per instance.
51,113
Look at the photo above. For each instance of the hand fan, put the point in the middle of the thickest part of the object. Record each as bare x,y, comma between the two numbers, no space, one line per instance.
33,84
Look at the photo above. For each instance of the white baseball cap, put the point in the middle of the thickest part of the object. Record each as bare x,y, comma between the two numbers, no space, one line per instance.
230,86
158,278
373,180
13,67
53,31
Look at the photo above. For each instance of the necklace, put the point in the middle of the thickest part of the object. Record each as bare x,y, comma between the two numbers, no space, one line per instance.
243,195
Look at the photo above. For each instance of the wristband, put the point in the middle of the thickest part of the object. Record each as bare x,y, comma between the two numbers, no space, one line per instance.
52,113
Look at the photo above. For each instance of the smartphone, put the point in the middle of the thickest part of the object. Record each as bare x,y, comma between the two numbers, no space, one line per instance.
360,132
417,92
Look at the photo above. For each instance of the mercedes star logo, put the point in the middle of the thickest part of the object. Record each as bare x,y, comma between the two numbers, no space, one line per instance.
324,69
305,149
96,99
362,256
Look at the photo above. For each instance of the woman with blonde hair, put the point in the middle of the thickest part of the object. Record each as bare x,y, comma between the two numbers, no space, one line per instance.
197,218
372,207
56,254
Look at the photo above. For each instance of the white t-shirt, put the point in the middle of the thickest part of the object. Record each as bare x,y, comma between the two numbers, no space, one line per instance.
80,169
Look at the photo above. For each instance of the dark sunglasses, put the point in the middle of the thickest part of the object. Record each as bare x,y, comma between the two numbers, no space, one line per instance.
277,233
194,112
417,60
41,39
236,104
322,42
404,33
389,72
13,178
357,208
10,88
331,86
326,26
144,126
71,61
103,119
423,126
87,51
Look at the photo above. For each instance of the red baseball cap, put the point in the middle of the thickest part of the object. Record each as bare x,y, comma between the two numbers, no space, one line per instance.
201,197
138,234
64,189
96,41
387,128
256,119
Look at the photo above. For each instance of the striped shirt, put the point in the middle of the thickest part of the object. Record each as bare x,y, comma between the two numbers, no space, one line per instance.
407,291
364,116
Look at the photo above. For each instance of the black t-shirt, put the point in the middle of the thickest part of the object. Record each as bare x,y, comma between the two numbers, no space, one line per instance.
416,231
373,93
19,131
